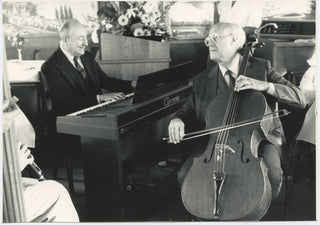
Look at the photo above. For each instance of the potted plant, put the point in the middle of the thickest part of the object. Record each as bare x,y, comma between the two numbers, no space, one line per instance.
141,19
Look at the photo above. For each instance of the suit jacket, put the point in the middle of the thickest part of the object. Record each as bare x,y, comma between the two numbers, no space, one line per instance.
210,83
67,88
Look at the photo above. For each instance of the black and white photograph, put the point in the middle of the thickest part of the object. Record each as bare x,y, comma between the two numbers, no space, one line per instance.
159,111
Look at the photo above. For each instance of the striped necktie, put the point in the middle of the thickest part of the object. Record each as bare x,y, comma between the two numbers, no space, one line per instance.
79,68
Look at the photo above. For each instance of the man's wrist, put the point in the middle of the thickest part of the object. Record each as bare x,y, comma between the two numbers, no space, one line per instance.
98,99
268,87
271,89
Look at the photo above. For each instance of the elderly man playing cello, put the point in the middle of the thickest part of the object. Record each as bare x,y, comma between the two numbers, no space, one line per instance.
224,42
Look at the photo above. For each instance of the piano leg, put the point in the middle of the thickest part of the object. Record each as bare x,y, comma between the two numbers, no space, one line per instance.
103,179
106,197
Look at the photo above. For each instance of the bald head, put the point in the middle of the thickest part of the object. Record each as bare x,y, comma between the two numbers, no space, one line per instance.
67,27
224,42
236,31
73,37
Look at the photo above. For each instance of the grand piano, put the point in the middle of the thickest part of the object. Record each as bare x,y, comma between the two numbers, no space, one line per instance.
114,132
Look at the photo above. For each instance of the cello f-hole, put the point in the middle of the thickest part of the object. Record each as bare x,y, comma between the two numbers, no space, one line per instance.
206,160
240,142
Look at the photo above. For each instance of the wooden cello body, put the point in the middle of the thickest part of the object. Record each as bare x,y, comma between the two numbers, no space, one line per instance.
228,181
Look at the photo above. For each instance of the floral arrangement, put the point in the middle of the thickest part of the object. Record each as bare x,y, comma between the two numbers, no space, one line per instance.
17,40
133,19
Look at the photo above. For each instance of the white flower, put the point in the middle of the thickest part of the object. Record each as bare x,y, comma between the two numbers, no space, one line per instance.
156,14
138,32
131,12
123,20
103,22
145,18
108,26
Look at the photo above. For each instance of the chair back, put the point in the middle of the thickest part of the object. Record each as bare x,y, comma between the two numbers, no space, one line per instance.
45,96
47,104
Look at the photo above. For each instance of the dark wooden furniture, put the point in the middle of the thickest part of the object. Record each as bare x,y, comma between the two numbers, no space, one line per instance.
128,57
109,136
29,97
287,56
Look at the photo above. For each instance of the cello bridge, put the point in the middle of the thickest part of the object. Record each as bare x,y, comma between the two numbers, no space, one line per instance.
223,147
219,176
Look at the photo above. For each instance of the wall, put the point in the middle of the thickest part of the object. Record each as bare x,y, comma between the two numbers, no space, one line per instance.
38,23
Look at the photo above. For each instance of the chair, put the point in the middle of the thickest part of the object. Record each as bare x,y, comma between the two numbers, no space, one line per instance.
42,54
56,140
291,156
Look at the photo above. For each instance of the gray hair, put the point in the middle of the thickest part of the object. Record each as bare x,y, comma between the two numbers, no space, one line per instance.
236,31
65,28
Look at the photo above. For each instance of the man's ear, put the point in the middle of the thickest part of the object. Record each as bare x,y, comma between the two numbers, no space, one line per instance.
234,38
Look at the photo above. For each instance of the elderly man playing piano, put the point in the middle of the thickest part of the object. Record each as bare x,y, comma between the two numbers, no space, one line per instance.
73,76
74,81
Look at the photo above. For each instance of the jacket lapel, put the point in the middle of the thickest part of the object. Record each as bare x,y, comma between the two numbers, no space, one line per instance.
249,71
90,72
69,72
212,85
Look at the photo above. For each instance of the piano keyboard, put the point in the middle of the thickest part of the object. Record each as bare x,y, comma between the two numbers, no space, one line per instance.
98,106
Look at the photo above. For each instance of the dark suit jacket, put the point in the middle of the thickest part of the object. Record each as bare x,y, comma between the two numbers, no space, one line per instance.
67,87
208,84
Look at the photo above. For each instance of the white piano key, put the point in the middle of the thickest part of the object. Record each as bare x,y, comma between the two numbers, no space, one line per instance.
98,106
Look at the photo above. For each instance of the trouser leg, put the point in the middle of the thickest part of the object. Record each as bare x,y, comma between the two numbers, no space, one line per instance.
271,157
48,201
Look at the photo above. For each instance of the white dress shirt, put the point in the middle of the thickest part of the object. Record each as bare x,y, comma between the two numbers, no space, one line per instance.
234,68
70,57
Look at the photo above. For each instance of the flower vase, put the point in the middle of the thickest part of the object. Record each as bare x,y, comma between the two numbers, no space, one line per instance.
19,55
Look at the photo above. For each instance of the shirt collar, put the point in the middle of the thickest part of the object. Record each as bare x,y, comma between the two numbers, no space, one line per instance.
234,67
68,55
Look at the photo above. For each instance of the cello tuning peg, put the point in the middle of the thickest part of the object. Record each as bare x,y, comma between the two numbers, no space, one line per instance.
259,45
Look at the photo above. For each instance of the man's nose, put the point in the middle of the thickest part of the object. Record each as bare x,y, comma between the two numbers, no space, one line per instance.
210,43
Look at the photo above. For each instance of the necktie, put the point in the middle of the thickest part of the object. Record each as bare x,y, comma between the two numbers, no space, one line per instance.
79,68
231,78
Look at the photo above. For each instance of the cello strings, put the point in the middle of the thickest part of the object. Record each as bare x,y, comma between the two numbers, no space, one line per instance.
224,133
217,164
231,119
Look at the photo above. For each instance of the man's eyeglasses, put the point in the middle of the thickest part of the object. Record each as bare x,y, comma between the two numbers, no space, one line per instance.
214,38
81,38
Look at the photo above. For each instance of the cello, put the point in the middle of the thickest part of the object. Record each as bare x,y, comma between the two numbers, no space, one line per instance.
229,181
